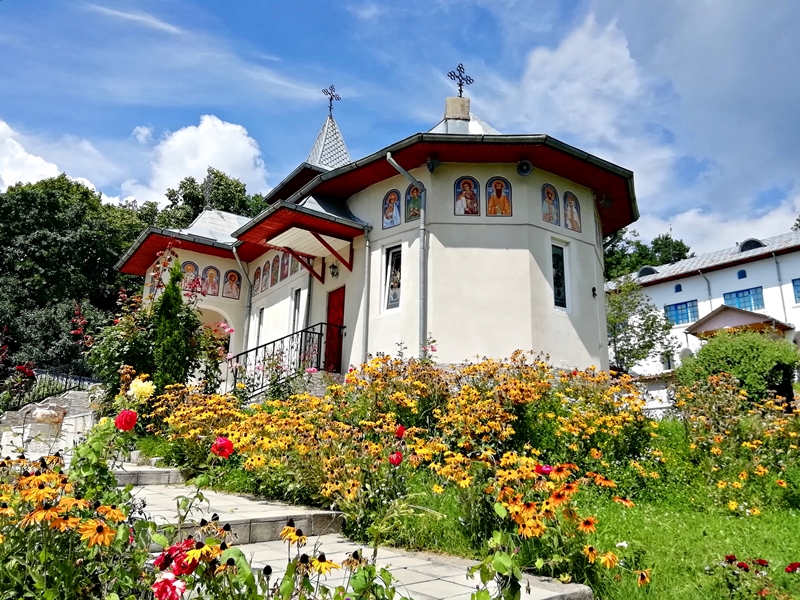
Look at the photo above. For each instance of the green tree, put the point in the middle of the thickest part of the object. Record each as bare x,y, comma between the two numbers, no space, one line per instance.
60,244
625,254
188,200
175,326
761,363
637,330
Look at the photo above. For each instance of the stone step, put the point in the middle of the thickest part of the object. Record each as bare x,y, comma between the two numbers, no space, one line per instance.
252,520
419,575
139,475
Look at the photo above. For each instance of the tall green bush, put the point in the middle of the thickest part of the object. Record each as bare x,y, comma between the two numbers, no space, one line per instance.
761,363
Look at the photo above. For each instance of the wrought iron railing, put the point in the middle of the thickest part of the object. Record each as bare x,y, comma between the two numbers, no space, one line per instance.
272,366
19,389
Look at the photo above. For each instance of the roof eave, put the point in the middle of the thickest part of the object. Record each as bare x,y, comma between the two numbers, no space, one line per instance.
300,168
171,234
284,204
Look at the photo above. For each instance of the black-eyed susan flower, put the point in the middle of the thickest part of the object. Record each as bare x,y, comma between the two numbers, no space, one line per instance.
354,561
642,577
323,566
609,560
6,510
587,525
298,538
96,532
303,564
288,531
65,523
203,552
67,503
591,553
624,501
228,565
37,494
111,513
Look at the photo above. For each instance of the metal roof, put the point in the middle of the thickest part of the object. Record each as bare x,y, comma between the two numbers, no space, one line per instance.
779,244
329,150
475,127
216,225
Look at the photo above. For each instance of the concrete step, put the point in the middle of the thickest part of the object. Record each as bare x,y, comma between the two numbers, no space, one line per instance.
419,575
252,520
139,475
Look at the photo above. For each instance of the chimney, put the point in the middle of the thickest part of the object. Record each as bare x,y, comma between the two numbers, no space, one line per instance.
456,115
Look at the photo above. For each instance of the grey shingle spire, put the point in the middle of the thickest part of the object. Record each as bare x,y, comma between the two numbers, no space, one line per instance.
329,151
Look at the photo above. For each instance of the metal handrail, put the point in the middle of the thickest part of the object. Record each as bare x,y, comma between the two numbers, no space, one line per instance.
46,383
272,366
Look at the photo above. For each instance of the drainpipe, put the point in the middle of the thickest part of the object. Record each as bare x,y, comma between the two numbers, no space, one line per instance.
780,286
708,284
367,273
249,304
423,281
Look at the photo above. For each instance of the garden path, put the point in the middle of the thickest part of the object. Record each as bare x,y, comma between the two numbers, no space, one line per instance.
257,523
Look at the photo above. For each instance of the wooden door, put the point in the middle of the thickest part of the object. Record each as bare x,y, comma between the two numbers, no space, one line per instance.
333,335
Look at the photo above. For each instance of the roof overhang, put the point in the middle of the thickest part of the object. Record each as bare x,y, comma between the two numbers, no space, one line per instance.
144,251
293,182
609,182
307,232
731,318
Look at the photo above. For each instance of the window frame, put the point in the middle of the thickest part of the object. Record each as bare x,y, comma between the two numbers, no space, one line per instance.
556,243
388,253
741,274
752,294
691,308
678,288
297,300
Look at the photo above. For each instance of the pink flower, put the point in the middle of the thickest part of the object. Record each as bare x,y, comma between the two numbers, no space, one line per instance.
259,367
399,432
543,469
433,348
229,356
168,587
222,446
311,370
126,420
395,458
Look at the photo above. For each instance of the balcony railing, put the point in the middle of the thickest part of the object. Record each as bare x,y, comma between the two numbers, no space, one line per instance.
19,390
270,368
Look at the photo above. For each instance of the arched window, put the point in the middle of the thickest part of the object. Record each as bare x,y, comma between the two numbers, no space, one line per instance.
678,288
751,244
742,274
647,271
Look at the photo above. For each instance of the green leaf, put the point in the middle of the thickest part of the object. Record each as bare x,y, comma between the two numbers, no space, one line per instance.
500,510
539,563
160,539
481,595
501,563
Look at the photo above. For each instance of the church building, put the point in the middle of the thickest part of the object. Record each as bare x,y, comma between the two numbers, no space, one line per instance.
486,242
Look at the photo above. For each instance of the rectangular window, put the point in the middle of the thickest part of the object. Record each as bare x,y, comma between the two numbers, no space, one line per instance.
392,282
559,277
796,286
682,312
260,325
296,310
752,299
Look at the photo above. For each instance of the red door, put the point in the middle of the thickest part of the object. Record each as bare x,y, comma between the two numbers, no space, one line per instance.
333,335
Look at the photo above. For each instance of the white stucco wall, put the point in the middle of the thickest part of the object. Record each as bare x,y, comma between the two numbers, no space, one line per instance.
779,300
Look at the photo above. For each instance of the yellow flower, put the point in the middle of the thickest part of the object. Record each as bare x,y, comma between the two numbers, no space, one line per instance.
240,386
743,475
437,489
733,505
736,485
112,513
722,484
204,552
781,483
323,566
141,390
642,577
591,553
755,511
587,525
716,450
96,533
761,470
609,560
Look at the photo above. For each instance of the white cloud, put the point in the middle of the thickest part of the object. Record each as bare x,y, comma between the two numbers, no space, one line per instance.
369,11
143,134
191,150
17,165
140,18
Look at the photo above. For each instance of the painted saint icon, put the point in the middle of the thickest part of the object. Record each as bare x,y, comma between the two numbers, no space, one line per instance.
265,277
498,197
284,265
295,266
550,208
210,285
413,203
391,209
467,193
572,212
190,275
233,285
257,280
276,271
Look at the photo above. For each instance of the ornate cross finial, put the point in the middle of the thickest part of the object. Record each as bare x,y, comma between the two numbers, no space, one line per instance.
331,94
462,79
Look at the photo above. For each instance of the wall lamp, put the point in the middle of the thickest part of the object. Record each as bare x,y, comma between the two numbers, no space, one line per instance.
334,270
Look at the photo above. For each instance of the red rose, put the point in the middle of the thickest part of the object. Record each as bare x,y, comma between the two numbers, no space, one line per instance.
730,558
793,568
395,458
126,420
543,469
761,562
222,446
182,566
743,566
399,432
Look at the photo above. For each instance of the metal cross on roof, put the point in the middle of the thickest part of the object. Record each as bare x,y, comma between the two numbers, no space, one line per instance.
331,95
462,79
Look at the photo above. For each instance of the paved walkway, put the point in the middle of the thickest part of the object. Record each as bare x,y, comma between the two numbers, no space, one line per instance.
257,524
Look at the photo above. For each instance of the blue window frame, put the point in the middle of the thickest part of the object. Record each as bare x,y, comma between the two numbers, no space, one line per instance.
742,274
678,288
796,286
682,312
750,299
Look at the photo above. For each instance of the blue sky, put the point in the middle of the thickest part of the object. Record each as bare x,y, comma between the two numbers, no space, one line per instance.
699,98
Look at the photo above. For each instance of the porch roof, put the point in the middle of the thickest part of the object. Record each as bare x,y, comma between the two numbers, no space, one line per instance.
731,318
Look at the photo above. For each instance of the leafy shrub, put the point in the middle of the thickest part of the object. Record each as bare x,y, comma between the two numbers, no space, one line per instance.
761,365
